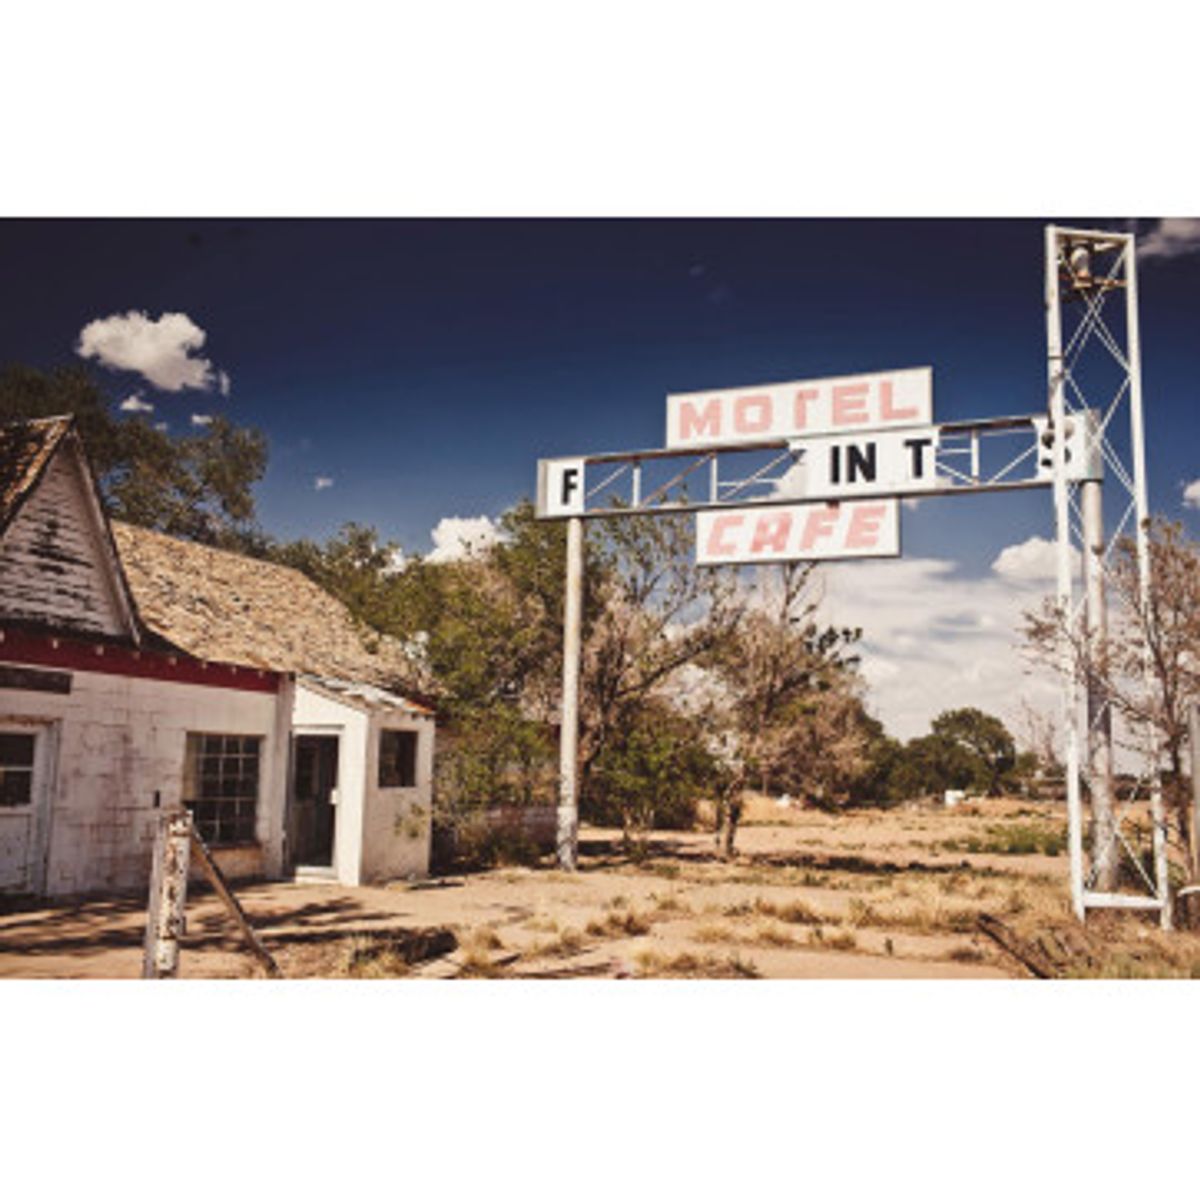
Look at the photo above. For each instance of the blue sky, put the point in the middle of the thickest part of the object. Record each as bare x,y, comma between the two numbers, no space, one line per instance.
424,366
419,368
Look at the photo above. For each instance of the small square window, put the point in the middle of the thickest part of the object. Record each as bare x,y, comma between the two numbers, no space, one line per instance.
16,769
397,758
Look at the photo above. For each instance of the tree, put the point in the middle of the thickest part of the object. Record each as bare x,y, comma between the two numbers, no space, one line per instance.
985,739
652,773
786,708
197,487
653,614
1148,669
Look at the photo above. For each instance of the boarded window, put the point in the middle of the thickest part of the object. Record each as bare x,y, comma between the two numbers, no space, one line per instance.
16,769
397,758
220,786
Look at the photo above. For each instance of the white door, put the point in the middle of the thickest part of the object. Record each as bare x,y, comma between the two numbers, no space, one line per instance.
23,754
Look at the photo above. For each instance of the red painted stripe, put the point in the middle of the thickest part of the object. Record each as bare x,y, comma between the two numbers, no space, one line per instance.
52,650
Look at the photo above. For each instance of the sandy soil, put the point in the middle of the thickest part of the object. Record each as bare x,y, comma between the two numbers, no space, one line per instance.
810,895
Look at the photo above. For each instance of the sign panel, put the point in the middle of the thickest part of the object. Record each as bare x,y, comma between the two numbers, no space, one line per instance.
561,489
787,533
879,464
805,408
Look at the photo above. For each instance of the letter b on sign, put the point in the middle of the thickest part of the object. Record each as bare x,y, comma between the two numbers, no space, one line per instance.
560,487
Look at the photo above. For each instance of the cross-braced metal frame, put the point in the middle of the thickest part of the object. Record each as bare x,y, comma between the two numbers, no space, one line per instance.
1085,269
1094,363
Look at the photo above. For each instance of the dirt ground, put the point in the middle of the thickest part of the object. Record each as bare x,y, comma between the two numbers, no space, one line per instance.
810,895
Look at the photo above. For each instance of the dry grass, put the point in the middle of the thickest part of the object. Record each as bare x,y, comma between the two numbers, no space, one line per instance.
619,924
691,966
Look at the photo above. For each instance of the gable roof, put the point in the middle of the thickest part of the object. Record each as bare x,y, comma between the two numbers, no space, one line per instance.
67,524
217,605
26,449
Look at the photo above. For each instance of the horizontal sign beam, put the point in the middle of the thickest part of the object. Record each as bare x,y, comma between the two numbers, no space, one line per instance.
996,454
798,532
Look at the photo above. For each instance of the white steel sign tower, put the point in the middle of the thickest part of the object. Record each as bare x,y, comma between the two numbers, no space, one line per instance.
1094,367
814,469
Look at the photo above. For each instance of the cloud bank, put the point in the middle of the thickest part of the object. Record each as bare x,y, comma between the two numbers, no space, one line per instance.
1172,237
460,537
932,641
163,351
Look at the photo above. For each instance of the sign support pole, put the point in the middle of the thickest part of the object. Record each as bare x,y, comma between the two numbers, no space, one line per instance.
1062,515
1137,434
1099,711
568,760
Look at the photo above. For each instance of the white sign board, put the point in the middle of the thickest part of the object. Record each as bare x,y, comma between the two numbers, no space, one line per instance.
792,532
806,408
878,464
561,489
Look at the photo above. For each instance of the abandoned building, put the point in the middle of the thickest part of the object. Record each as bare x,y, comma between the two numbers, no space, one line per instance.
138,671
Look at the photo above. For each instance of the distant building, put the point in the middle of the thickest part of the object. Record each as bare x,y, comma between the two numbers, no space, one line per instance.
138,671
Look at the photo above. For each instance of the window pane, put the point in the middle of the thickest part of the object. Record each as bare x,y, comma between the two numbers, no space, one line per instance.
16,787
221,786
16,749
397,758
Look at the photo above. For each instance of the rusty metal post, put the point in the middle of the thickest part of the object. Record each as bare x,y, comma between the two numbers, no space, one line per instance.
168,895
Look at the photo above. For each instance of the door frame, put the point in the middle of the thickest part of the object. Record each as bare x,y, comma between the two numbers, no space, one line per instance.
45,770
337,732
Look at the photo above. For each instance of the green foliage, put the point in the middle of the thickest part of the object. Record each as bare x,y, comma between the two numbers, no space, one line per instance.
651,773
987,742
197,486
1012,839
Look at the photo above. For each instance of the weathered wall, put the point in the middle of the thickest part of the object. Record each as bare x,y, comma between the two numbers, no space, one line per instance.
398,822
53,565
120,749
314,712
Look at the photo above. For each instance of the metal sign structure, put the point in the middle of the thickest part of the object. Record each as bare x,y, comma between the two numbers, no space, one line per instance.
1095,386
814,469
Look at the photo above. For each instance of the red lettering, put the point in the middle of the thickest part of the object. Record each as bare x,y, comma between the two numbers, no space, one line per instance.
716,547
850,404
693,423
820,523
804,397
771,533
887,412
752,414
865,520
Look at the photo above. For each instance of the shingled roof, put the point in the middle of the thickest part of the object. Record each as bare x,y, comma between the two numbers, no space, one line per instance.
25,449
229,608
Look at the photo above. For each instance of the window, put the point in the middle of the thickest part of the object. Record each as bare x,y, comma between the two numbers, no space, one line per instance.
397,758
16,769
220,786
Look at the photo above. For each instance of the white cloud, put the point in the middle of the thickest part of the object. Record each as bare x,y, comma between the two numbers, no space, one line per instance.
161,426
224,383
322,482
1172,237
460,537
163,351
201,419
932,641
135,404
396,563
1191,494
1032,561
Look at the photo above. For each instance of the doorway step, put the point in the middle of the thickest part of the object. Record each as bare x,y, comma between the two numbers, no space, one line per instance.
315,875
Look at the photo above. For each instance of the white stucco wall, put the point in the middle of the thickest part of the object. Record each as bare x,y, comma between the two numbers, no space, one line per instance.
398,822
120,740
